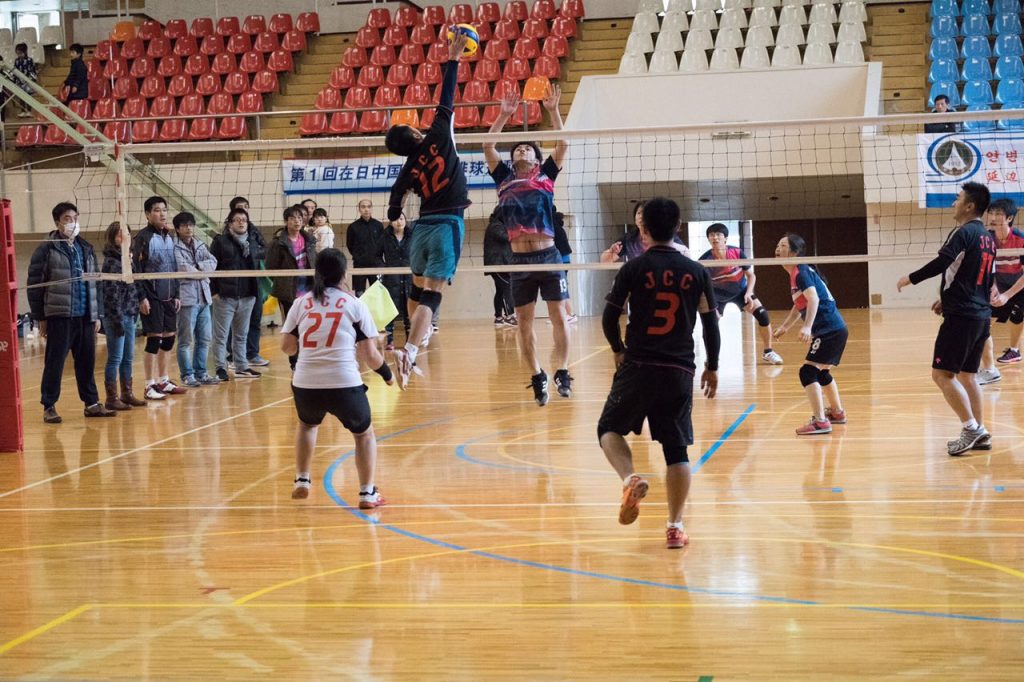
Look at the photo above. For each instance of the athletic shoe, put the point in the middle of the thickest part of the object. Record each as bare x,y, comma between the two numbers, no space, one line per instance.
632,493
499,321
676,538
572,319
259,361
222,374
564,383
814,427
511,321
771,357
371,500
988,376
191,381
403,368
835,416
247,373
984,443
967,440
1009,355
207,380
231,365
153,393
98,410
50,416
169,388
434,329
539,383
301,489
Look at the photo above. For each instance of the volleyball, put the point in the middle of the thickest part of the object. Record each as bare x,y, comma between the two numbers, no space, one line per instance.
473,42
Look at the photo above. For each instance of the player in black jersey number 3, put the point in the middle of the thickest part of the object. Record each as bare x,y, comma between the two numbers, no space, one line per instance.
654,380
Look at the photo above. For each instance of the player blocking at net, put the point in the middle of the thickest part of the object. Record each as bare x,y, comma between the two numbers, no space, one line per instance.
433,172
654,380
335,331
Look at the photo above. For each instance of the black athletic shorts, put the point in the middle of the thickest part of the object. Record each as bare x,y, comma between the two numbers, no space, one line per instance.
723,300
162,318
349,405
552,284
960,343
661,395
1012,311
827,349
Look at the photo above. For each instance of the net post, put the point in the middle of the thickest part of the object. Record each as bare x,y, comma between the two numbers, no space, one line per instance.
12,436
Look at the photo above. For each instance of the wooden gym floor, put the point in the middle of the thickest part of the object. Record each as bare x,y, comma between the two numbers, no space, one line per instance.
164,544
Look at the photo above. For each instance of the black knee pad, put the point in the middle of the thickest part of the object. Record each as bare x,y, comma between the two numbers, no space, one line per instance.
152,344
824,377
675,454
167,343
808,375
415,292
761,315
431,299
1017,315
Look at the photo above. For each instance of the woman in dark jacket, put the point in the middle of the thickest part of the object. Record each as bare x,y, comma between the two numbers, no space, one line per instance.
498,251
120,314
394,253
292,248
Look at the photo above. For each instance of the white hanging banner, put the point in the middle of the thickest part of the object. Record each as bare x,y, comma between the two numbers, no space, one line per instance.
370,173
948,160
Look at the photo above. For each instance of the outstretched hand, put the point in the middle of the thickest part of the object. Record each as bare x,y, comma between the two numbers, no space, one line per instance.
553,97
509,103
457,46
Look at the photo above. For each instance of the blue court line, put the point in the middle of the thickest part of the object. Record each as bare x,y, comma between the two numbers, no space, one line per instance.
328,481
721,439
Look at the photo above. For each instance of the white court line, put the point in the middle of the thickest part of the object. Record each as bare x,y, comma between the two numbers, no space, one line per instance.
139,449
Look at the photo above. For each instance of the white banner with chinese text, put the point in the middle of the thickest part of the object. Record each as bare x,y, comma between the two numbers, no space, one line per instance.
948,160
372,173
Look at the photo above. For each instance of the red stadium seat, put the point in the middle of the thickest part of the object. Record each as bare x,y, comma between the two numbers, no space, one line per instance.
378,18
460,14
149,29
354,57
266,42
251,62
498,50
162,107
152,86
502,89
208,84
572,9
427,118
231,128
400,75
434,15
308,22
487,70
141,67
240,43
169,66
119,131
342,78
236,83
536,88
202,27
328,98
294,41
438,53
145,131
358,98
265,82
202,129
535,28
395,35
94,68
176,29
105,108
254,23
555,46
516,10
477,91
80,107
180,85
423,34
280,61
223,64
122,31
370,76
465,72
250,103
106,50
407,16
125,87
387,96
280,23
159,47
411,54
543,9
133,49
367,37
484,32
197,65
417,94
488,12
407,117
564,27
212,45
99,88
192,105
548,67
516,69
29,136
186,46
533,116
343,123
383,55
428,73
373,121
506,29
467,117
526,48
313,124
221,103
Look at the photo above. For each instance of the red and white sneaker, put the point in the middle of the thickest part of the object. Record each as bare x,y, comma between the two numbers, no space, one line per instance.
371,500
301,489
632,493
676,538
835,416
403,368
153,393
168,388
814,428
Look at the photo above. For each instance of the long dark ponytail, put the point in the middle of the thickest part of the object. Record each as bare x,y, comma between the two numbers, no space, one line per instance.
330,269
798,247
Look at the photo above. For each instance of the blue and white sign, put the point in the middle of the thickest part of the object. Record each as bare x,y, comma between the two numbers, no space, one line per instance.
948,160
373,173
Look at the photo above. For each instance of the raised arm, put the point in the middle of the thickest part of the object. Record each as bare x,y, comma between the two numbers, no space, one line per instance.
551,103
508,107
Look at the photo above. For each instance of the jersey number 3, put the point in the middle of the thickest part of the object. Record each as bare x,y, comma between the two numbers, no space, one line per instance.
667,305
318,319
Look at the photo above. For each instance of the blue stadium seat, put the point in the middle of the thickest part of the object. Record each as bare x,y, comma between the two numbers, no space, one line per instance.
1006,7
975,25
975,69
943,48
1009,67
947,88
980,125
942,70
977,92
944,27
1009,46
1010,90
1007,24
976,46
945,8
1015,124
975,7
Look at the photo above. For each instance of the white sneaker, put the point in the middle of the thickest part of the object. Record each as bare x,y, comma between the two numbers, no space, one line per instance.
988,376
403,368
153,394
772,358
301,489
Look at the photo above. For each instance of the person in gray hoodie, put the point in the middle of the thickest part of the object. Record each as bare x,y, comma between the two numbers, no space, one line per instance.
194,324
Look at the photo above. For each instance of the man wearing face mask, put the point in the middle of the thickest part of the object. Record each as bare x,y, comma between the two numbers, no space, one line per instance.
68,312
